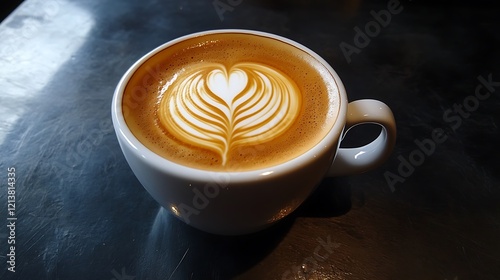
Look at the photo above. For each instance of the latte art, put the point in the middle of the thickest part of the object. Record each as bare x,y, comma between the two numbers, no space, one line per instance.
230,102
219,109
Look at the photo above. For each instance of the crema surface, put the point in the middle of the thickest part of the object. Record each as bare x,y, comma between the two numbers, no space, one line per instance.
230,102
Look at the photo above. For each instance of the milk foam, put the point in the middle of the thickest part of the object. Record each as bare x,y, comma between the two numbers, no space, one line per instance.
220,109
148,106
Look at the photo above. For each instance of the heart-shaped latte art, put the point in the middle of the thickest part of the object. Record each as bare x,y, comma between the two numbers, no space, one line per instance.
219,109
224,86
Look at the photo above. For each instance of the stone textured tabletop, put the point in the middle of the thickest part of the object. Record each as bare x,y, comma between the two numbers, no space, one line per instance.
76,211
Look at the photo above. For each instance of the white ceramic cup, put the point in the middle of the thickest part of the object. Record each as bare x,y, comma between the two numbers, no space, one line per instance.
233,203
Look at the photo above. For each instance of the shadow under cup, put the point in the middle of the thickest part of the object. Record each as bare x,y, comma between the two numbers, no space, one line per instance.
224,201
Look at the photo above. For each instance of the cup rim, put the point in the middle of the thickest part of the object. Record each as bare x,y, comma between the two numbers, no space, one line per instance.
167,166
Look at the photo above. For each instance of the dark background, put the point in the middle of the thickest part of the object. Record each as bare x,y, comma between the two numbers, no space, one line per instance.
83,215
7,7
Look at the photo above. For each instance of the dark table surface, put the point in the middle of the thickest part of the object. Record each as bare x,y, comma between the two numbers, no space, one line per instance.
431,212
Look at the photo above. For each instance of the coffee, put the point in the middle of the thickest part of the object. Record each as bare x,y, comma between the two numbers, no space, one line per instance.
230,102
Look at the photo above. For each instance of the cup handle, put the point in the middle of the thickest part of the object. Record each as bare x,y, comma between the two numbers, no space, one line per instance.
357,160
